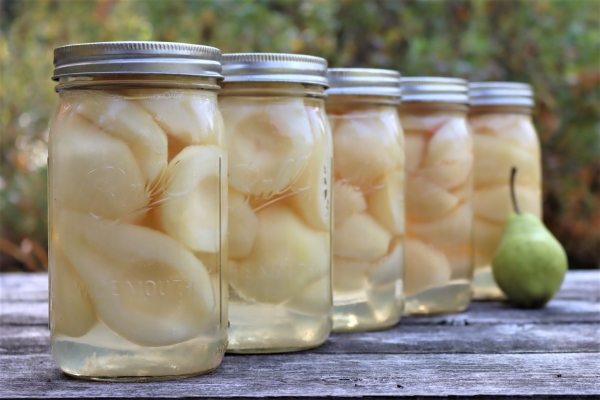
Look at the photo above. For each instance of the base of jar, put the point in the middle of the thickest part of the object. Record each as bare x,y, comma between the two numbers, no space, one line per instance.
352,312
102,355
484,285
138,379
273,350
452,298
266,329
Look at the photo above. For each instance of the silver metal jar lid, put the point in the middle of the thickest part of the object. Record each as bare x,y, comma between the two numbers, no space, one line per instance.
501,94
434,90
363,81
153,58
274,67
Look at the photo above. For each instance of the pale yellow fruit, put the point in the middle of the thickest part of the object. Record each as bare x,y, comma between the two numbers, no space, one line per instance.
481,262
221,289
460,259
453,228
414,149
347,200
389,268
144,285
421,123
190,118
361,237
315,299
364,148
130,122
449,157
426,201
243,225
386,201
493,203
211,261
496,155
96,173
71,310
486,237
451,142
333,121
349,275
269,143
313,187
189,206
514,127
464,192
448,174
426,267
389,117
287,255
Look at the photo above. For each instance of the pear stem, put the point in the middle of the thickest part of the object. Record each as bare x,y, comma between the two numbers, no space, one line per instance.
513,195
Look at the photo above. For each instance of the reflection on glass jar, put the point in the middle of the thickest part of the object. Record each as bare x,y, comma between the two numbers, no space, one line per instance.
368,193
137,184
439,168
504,136
280,202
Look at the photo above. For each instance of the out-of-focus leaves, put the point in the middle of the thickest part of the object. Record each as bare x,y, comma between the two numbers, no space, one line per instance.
555,45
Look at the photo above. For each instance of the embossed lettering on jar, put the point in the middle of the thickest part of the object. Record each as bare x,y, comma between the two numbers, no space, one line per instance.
368,193
280,200
439,165
137,185
504,136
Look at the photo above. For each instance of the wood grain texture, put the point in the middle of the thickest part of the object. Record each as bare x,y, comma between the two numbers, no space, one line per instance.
490,350
319,375
403,339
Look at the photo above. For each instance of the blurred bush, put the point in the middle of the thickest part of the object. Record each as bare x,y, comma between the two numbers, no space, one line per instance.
555,45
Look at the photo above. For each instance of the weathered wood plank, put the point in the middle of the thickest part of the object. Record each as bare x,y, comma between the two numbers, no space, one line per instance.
474,339
23,313
417,339
490,350
578,285
23,287
322,375
556,312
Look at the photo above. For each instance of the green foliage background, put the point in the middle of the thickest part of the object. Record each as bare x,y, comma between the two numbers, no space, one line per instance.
555,45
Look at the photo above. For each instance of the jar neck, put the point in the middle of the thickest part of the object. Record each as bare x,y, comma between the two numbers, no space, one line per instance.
432,107
478,110
274,89
111,82
361,100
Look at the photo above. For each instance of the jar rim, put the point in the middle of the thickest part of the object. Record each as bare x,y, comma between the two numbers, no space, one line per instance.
136,58
501,94
274,67
363,81
434,90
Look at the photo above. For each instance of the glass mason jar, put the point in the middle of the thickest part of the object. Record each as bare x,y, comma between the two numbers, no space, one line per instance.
368,195
504,136
439,211
137,188
280,154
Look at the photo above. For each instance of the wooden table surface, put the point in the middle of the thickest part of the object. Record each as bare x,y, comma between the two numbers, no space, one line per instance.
490,350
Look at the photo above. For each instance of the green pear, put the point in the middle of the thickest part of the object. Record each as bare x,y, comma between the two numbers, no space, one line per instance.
530,264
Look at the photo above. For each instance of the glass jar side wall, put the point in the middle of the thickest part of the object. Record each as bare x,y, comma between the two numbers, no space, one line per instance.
279,216
504,137
368,189
439,179
135,266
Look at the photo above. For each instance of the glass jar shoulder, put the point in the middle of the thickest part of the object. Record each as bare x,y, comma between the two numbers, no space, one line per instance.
368,141
506,125
428,118
189,116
